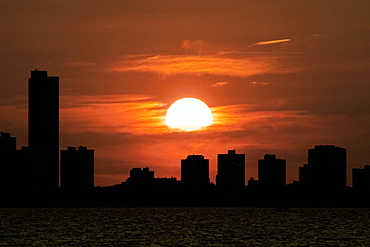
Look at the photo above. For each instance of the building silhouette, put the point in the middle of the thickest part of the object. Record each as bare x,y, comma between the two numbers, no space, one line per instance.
230,170
140,176
77,168
43,128
7,160
272,172
195,171
25,175
7,143
361,178
15,172
326,168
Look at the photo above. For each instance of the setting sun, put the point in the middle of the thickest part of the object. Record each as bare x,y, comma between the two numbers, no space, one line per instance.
188,114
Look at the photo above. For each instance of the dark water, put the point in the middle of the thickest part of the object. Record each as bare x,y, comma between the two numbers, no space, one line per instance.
183,227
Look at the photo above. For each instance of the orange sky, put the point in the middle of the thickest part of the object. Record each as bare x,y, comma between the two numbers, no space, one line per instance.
279,76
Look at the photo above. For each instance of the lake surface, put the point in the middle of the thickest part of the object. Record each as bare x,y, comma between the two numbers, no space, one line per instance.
183,227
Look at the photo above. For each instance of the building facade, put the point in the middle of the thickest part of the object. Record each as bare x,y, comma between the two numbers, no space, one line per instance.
140,176
77,168
43,128
326,168
7,161
361,178
15,172
272,172
195,171
230,170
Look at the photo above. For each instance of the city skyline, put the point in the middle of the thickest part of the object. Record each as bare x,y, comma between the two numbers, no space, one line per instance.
279,78
326,168
43,131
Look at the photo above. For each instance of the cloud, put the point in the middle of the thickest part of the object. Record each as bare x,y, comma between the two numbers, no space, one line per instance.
222,63
136,114
142,115
269,42
221,84
258,83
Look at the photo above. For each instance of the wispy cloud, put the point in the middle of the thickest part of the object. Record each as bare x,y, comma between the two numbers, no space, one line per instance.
259,83
223,63
221,84
140,114
269,42
135,114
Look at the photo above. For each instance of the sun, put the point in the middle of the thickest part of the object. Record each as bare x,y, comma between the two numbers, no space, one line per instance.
188,114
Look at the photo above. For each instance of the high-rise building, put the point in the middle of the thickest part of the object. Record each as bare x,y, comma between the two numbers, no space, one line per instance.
272,172
231,170
195,171
43,111
326,168
43,128
361,178
77,168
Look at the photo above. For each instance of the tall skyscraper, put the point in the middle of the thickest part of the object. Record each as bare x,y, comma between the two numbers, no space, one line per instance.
326,168
77,168
43,128
231,170
195,171
272,172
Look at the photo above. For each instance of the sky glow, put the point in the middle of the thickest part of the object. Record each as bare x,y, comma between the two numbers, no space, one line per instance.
279,78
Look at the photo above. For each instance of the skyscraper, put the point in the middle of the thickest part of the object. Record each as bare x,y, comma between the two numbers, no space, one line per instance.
43,128
326,168
272,172
231,170
77,168
195,171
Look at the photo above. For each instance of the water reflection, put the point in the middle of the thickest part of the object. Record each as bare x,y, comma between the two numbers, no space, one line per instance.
184,227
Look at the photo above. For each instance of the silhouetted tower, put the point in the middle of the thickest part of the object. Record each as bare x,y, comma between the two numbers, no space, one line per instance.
326,168
272,172
361,178
43,128
195,171
77,168
231,170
